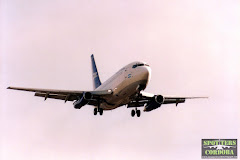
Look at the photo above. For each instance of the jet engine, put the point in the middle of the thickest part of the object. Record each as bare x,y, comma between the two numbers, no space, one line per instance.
82,101
156,102
159,99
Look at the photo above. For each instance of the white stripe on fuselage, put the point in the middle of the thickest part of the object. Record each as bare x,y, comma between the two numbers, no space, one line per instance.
124,84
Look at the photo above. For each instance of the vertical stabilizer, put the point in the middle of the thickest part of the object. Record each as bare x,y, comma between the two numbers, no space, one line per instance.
95,76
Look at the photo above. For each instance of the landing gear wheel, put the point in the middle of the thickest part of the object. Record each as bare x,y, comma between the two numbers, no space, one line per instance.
100,111
133,113
95,111
138,113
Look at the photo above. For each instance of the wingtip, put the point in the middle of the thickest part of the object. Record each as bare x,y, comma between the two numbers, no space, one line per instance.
9,87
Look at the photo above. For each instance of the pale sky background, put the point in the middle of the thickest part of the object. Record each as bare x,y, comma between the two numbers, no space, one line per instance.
192,46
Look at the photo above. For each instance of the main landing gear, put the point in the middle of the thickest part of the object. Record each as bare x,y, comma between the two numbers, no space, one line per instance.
98,109
136,111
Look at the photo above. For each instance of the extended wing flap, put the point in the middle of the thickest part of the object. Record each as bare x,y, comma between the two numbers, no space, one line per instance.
57,96
174,100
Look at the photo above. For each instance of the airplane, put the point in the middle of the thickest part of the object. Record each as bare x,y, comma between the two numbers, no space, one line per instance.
126,87
220,147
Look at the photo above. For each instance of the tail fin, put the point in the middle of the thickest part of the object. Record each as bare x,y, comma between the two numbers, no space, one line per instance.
95,76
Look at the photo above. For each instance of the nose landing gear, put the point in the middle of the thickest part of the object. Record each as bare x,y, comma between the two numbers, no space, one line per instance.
136,111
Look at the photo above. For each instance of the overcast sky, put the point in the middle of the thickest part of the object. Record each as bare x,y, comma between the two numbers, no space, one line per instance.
192,47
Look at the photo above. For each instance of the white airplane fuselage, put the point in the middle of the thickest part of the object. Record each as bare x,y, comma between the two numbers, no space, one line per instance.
126,83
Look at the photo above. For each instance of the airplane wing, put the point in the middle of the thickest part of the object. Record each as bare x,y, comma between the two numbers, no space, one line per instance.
151,101
66,95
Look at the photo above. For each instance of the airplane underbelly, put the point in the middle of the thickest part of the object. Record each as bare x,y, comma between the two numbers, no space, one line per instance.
122,95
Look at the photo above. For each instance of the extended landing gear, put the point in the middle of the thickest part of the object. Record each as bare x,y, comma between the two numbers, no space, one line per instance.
95,111
100,110
136,111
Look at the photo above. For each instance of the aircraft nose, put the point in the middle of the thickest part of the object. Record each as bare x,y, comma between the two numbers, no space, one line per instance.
146,73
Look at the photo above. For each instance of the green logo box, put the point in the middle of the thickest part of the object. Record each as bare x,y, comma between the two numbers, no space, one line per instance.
219,148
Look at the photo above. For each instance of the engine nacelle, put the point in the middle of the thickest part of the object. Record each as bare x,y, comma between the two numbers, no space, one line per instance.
155,103
159,99
87,95
83,101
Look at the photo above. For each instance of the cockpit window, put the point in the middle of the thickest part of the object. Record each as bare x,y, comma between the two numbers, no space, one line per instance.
139,64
